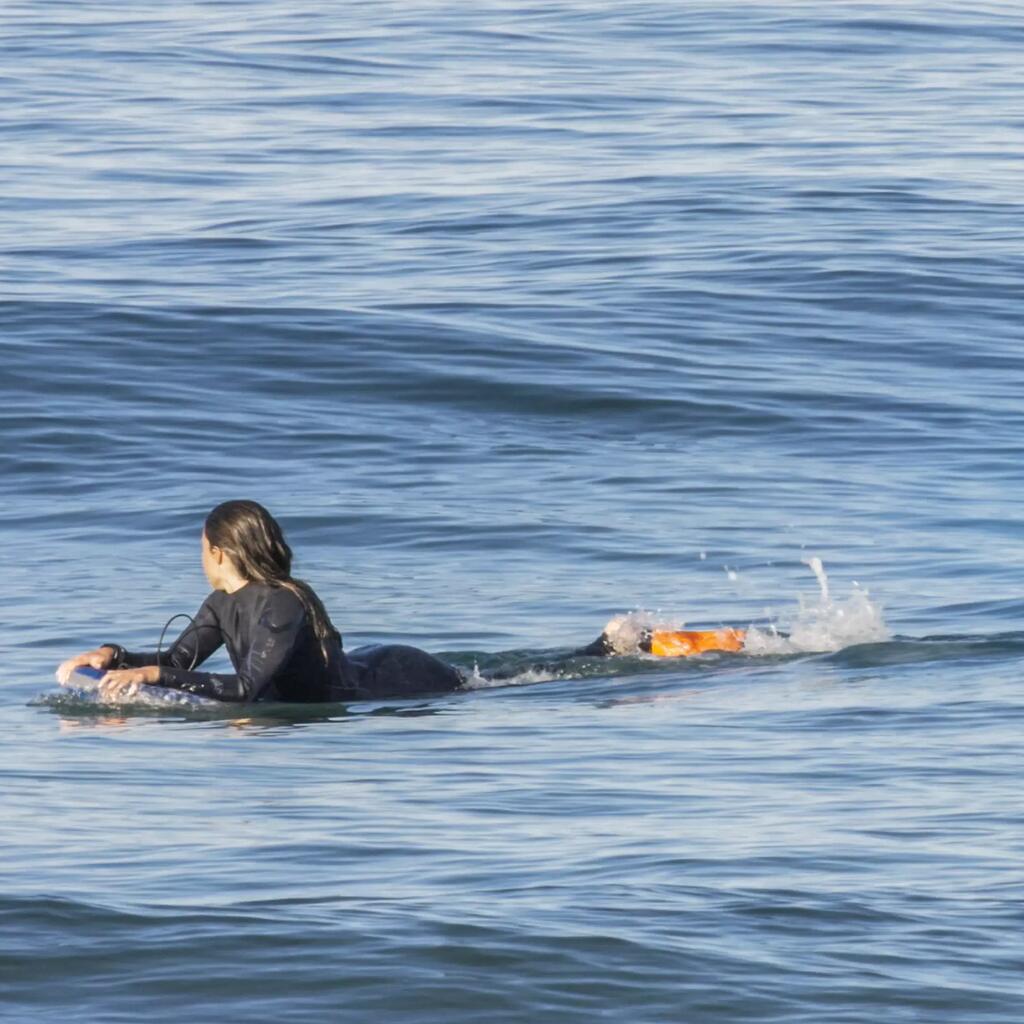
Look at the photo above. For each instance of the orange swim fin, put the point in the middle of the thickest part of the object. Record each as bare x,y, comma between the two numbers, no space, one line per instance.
685,643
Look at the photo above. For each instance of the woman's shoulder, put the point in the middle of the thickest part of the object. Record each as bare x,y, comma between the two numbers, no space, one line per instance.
277,605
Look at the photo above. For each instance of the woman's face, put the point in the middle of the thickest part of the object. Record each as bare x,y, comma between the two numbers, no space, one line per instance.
210,563
220,568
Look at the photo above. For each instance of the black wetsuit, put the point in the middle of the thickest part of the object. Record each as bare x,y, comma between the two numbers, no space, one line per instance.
277,656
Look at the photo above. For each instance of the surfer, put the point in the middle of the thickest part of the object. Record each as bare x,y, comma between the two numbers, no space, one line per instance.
277,632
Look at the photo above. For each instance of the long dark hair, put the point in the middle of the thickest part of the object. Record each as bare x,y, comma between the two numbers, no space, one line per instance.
247,532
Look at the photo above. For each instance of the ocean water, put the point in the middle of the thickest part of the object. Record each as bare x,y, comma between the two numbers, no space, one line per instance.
521,317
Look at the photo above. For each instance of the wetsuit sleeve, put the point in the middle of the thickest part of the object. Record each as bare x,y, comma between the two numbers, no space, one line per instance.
274,638
198,640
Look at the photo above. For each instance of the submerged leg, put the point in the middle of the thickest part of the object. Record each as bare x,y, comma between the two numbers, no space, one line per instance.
599,648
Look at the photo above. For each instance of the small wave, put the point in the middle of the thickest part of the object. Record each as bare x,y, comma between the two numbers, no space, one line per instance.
538,674
489,670
511,668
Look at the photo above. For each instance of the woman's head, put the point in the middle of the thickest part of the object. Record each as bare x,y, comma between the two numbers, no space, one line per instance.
252,539
243,543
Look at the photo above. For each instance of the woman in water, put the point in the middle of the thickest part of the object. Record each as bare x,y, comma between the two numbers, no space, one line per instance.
277,632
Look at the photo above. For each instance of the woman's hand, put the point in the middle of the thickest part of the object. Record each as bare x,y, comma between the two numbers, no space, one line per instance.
98,659
125,682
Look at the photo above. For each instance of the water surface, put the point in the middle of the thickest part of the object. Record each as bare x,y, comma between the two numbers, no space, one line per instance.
519,317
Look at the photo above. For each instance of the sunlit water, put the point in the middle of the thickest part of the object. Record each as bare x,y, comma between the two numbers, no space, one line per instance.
521,318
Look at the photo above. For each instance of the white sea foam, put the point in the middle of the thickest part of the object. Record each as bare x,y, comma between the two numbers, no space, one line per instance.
624,632
824,625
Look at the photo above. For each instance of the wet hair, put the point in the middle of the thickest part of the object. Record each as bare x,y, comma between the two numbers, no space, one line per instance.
247,532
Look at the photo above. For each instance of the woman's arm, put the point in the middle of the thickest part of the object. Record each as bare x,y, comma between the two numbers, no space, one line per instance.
198,640
127,670
274,638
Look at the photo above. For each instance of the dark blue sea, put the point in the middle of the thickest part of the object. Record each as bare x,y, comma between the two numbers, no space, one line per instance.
521,317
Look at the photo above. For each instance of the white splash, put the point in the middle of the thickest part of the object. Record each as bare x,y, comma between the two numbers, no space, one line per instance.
819,571
624,632
826,625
